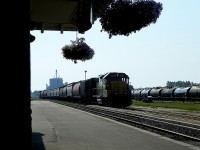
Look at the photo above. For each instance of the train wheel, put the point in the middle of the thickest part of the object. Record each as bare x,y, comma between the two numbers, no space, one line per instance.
105,102
110,102
94,101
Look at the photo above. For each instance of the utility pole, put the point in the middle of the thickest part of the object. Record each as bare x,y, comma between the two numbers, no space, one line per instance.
85,74
56,73
85,83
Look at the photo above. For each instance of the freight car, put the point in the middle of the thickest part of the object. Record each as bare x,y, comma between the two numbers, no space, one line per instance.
194,93
168,94
136,94
181,93
155,93
111,89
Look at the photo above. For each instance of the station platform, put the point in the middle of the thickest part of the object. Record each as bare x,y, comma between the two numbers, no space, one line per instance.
58,127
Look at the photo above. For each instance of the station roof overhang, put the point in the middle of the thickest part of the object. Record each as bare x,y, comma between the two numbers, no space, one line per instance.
65,15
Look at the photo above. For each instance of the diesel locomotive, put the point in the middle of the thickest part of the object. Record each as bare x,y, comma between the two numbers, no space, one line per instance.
110,89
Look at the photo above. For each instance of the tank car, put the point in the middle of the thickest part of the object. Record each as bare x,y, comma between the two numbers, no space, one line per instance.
167,94
42,94
56,93
181,93
194,93
78,91
155,93
145,93
62,92
136,94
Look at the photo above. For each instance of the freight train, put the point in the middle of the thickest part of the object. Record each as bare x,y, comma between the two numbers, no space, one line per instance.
110,89
167,94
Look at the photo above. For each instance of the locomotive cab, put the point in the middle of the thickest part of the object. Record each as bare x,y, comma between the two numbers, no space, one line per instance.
113,90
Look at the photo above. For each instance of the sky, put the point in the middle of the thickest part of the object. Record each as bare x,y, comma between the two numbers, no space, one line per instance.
168,50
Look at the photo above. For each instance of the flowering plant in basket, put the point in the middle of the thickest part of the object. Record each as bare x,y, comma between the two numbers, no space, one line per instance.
122,17
78,50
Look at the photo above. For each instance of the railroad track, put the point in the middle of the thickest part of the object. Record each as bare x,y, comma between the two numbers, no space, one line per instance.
164,112
170,128
173,116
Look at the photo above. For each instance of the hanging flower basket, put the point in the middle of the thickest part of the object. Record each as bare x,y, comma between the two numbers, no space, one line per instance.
122,17
78,50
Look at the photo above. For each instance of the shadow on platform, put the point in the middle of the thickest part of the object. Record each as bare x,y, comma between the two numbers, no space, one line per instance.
37,142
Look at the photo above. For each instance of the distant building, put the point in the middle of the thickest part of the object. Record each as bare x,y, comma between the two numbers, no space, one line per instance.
55,82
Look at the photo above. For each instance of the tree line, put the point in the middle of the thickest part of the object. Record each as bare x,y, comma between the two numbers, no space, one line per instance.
180,84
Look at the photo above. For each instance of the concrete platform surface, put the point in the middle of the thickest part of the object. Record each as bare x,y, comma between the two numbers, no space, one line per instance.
57,127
